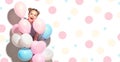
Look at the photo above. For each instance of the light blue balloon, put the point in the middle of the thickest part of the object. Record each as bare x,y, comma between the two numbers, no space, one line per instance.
25,54
47,32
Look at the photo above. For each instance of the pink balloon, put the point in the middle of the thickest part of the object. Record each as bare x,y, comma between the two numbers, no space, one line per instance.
39,26
20,9
38,58
15,29
24,26
38,47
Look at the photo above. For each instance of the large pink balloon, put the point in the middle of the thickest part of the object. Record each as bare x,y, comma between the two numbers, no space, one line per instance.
38,58
24,26
20,9
38,47
39,26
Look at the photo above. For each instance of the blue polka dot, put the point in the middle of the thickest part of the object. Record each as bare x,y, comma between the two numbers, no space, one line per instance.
118,3
118,55
69,18
104,28
7,40
66,0
53,47
0,8
0,55
75,45
96,0
91,59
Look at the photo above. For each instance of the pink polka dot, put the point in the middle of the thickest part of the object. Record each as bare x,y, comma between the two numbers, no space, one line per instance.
2,28
108,16
107,59
118,36
79,2
4,60
62,35
89,44
88,19
52,10
8,1
72,59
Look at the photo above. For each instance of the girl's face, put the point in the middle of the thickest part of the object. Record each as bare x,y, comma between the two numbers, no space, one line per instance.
32,16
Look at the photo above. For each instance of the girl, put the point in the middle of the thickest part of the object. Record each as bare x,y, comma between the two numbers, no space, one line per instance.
32,15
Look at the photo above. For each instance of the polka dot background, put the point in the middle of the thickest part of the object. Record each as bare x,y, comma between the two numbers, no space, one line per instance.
83,30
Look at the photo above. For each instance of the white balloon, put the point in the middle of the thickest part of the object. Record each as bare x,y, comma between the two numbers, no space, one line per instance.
48,54
26,40
15,39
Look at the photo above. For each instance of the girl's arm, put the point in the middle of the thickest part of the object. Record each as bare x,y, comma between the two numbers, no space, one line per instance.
36,37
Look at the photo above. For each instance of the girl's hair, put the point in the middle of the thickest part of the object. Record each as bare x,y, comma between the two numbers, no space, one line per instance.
30,9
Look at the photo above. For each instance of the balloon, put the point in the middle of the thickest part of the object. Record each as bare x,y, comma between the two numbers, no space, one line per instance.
38,46
47,41
25,54
25,40
15,39
48,54
47,32
12,17
24,26
39,26
38,58
15,29
20,9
